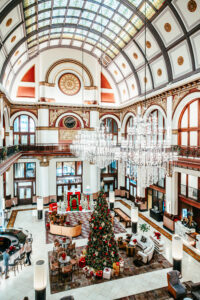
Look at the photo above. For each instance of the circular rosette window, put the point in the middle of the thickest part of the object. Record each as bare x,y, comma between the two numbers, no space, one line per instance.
69,84
70,122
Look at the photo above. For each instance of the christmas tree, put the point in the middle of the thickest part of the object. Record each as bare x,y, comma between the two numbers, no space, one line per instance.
102,249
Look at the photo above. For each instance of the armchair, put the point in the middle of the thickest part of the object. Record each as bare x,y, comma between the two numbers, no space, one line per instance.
175,287
195,290
147,255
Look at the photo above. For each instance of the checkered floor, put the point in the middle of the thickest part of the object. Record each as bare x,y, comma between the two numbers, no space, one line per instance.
84,217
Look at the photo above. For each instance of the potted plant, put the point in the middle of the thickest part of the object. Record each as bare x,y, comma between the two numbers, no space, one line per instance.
144,227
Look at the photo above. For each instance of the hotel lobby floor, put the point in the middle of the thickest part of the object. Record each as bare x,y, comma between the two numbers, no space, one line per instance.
16,287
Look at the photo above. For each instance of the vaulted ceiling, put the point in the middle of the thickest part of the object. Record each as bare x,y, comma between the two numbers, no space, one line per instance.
112,31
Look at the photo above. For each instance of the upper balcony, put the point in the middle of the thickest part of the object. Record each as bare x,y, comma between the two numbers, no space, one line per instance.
9,155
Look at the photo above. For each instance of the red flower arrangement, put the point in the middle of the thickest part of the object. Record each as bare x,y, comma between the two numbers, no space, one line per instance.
63,255
12,248
157,235
134,241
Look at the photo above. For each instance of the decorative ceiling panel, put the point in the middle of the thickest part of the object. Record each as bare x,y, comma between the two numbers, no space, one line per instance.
135,55
168,27
151,46
180,60
124,92
3,4
189,10
121,62
115,72
195,38
159,72
10,22
18,53
14,38
145,80
132,86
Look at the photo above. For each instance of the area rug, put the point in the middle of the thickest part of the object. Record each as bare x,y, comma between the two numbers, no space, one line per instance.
79,279
84,217
159,294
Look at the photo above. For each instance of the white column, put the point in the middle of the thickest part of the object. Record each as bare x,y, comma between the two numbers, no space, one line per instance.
169,118
9,182
91,173
94,119
1,120
91,177
42,183
121,175
172,194
1,191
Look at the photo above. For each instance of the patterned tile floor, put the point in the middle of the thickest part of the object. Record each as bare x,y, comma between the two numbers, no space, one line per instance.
84,217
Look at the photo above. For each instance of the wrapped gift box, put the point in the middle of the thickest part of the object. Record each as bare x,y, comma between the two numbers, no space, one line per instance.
116,268
107,273
82,262
99,274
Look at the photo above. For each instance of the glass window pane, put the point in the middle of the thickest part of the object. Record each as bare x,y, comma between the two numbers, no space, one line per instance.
193,181
115,129
16,139
184,122
32,139
69,168
183,178
28,193
194,114
23,123
16,125
59,169
184,141
30,170
59,190
19,170
193,138
32,125
24,139
79,167
21,193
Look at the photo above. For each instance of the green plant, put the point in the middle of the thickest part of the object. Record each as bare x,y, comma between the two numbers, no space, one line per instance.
144,227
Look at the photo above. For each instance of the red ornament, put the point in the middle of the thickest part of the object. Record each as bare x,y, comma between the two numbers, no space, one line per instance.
109,245
106,241
100,228
106,253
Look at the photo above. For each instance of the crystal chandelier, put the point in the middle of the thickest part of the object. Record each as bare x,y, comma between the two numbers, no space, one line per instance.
145,152
96,146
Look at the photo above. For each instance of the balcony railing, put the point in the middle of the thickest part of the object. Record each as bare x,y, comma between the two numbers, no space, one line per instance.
193,152
7,152
190,192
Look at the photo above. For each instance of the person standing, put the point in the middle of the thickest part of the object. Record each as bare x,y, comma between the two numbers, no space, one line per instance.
6,258
28,250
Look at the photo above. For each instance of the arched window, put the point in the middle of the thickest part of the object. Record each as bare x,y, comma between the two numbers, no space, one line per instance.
189,125
161,123
24,130
111,126
129,124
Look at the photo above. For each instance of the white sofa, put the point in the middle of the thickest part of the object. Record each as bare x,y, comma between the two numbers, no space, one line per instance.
147,248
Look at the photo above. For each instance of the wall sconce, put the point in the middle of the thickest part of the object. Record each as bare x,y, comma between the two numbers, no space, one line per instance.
134,218
40,280
177,252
